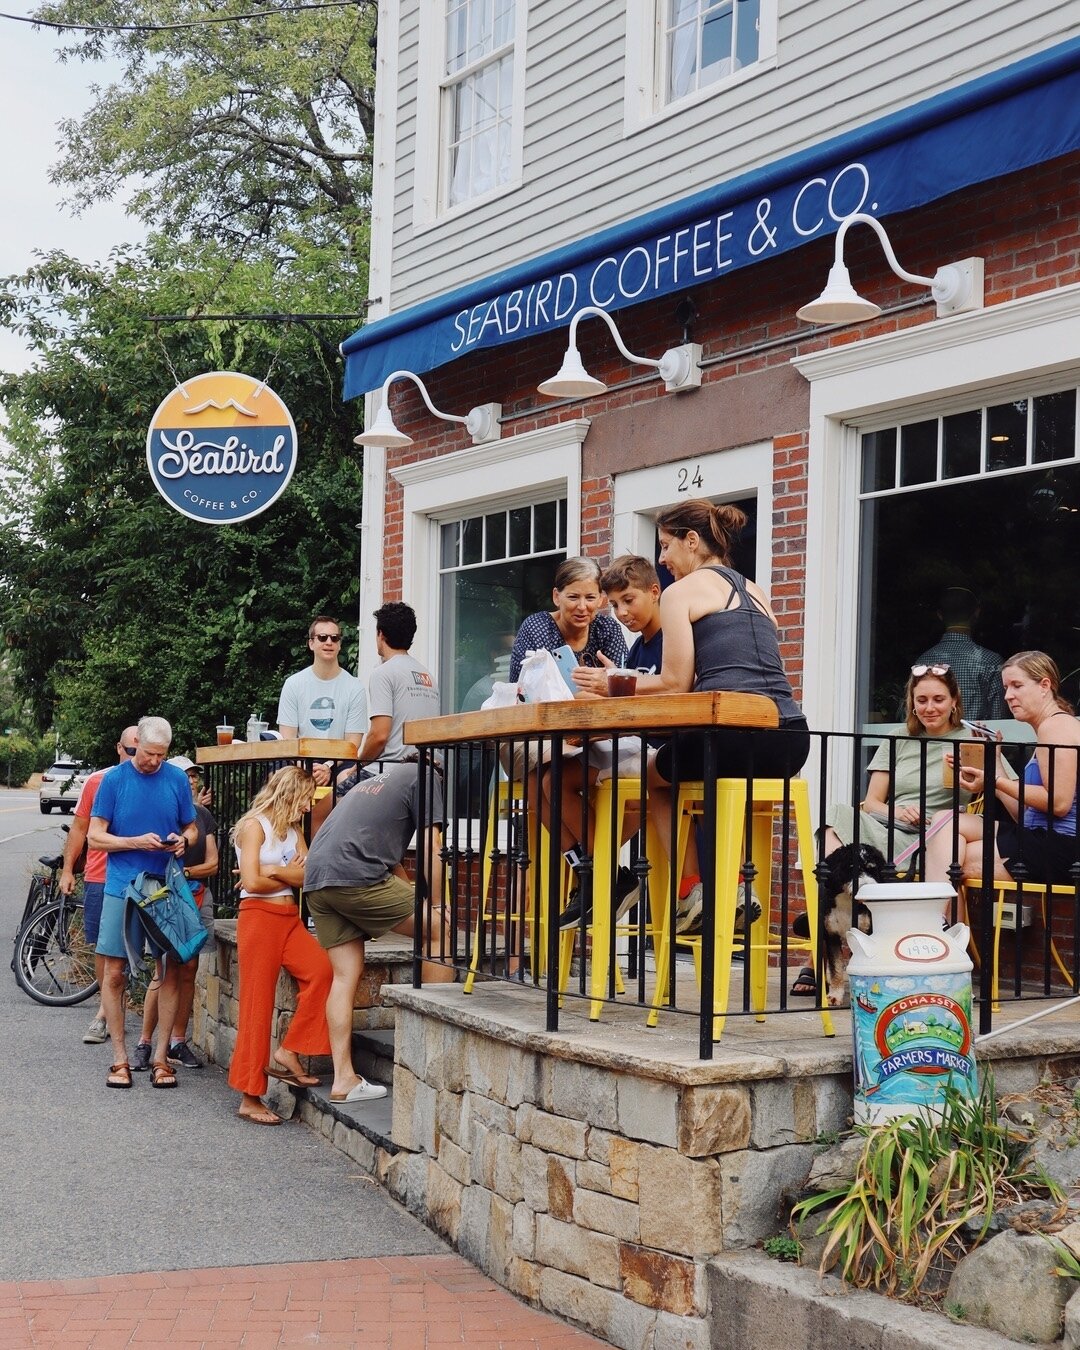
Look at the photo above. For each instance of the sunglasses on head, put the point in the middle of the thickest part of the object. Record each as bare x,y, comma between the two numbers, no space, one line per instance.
327,637
939,669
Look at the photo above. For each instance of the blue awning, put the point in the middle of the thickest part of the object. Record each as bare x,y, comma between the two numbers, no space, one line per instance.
1023,115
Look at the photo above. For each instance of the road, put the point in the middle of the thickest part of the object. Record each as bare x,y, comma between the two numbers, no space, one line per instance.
96,1182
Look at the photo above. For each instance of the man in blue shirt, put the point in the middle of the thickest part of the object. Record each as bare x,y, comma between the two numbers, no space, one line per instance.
143,811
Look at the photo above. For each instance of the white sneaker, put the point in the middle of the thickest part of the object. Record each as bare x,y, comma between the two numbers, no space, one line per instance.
688,910
362,1092
688,914
96,1033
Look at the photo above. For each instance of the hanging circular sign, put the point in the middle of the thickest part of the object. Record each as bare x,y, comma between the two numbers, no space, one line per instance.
221,447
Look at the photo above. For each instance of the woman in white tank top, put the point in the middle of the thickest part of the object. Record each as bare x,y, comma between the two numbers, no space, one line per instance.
271,853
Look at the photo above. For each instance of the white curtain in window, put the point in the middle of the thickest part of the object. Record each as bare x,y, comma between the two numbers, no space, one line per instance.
682,46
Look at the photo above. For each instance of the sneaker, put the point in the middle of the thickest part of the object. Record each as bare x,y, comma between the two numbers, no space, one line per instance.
181,1053
627,891
688,910
571,915
140,1060
688,914
96,1033
740,913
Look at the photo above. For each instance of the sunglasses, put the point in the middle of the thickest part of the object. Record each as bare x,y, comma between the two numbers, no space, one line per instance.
939,669
327,637
129,749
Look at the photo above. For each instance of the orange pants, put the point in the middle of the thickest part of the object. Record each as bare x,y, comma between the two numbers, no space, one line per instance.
269,935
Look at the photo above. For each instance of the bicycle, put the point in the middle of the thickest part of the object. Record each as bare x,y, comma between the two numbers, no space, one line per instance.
52,961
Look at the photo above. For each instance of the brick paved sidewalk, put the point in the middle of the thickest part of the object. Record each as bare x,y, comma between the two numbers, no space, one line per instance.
391,1303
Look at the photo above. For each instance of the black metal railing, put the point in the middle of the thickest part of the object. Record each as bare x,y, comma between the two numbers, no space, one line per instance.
506,883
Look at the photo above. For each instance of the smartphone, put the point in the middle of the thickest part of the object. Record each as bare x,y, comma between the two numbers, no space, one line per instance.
983,733
972,756
566,660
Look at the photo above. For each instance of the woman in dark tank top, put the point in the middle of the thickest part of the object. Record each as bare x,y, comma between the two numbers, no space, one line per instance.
720,633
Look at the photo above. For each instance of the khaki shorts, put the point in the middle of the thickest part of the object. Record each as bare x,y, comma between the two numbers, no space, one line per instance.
345,913
520,765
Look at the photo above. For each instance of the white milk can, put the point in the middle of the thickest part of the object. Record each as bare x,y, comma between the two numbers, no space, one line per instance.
910,1002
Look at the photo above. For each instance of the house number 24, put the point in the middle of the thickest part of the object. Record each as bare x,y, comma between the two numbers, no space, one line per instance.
688,479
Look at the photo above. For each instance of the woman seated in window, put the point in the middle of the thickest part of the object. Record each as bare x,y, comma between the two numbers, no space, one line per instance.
919,782
1044,842
911,789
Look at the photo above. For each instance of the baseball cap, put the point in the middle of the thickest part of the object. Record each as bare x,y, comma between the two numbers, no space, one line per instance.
182,762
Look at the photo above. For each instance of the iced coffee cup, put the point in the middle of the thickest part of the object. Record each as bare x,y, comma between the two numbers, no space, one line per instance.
621,683
224,735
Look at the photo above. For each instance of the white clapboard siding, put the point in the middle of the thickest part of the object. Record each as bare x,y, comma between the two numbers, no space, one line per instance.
840,64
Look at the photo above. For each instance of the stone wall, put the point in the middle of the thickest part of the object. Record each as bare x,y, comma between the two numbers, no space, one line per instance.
216,999
598,1190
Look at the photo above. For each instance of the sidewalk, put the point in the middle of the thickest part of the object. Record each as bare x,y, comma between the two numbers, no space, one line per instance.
391,1303
152,1218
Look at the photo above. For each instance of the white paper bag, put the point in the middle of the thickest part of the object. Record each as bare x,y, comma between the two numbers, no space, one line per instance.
502,696
541,680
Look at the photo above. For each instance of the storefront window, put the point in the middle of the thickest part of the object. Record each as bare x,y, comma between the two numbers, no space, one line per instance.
987,499
494,569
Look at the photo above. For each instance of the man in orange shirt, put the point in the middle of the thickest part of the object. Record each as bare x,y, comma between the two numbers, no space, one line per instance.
93,873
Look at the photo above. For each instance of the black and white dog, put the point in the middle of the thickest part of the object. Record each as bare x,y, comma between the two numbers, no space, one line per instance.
844,871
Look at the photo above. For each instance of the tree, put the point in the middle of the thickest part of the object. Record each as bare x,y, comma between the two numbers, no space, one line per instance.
256,129
113,604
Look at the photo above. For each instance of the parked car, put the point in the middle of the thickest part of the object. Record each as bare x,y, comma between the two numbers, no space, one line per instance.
61,785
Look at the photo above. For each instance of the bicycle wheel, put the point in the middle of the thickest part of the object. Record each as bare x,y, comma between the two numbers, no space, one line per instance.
35,897
54,963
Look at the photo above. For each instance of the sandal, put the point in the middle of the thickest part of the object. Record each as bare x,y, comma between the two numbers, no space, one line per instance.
161,1076
263,1117
119,1075
805,985
290,1076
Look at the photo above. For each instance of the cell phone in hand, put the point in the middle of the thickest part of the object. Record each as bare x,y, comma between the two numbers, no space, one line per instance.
977,729
972,756
566,660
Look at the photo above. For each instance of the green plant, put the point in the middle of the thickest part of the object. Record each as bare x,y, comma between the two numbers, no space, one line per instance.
956,1311
1068,1266
783,1247
921,1185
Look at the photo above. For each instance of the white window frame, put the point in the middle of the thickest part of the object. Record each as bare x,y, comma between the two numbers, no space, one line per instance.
429,188
722,476
644,104
531,467
1030,343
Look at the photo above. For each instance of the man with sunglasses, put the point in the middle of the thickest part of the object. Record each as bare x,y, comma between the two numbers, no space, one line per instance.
93,874
323,700
977,669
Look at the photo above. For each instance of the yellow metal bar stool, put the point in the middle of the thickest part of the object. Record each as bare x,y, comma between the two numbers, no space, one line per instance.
610,798
508,801
767,794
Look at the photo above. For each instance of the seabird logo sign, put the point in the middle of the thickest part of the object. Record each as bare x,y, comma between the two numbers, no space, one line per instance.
221,448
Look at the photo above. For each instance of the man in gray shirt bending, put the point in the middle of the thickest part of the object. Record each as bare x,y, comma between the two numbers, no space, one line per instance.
356,888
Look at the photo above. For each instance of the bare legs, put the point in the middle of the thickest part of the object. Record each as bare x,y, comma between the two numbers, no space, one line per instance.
347,963
113,984
969,846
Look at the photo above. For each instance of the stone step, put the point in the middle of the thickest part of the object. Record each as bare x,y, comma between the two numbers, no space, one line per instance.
362,1130
373,1055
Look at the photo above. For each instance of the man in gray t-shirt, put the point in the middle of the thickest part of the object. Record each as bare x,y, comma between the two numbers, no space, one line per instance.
400,689
356,888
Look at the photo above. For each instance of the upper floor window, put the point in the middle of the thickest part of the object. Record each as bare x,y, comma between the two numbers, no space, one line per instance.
679,52
478,93
471,102
706,41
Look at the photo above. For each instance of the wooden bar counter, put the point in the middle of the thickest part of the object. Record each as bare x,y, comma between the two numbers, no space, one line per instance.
644,713
243,752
